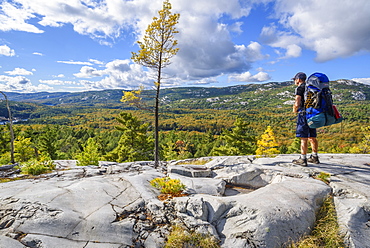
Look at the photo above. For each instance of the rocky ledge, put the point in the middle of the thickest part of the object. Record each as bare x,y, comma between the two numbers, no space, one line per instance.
241,200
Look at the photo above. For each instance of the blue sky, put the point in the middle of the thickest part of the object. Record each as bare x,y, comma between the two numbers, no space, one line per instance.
80,45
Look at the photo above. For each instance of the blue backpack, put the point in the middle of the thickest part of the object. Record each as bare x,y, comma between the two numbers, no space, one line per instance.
319,107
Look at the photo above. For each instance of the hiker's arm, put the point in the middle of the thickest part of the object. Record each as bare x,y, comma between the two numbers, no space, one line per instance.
296,103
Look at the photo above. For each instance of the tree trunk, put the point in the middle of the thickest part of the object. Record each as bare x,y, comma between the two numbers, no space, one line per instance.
156,128
11,129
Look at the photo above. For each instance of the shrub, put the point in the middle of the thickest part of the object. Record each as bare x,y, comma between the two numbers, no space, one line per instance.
179,237
90,154
168,186
5,158
36,167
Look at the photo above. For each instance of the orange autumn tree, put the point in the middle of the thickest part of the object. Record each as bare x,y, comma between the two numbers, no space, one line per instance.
267,145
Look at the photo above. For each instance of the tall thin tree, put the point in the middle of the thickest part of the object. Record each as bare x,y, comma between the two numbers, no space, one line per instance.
10,118
156,50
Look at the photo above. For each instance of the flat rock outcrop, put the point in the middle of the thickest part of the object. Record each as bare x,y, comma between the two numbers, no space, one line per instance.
241,200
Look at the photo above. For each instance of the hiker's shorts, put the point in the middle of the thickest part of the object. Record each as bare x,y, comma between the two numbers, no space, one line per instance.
303,130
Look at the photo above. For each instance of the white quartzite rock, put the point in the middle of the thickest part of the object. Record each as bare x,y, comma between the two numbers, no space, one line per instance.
268,217
114,205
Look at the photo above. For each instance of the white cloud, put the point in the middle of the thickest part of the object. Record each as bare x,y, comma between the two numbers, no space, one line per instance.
57,82
19,71
71,62
95,61
118,74
89,72
20,84
37,53
362,80
236,27
204,81
206,48
14,17
6,51
59,76
293,51
248,77
252,52
330,28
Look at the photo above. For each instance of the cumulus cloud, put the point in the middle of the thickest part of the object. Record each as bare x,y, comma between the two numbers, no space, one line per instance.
19,71
6,51
13,17
37,53
98,19
206,29
21,84
330,29
89,72
248,77
118,74
293,51
206,48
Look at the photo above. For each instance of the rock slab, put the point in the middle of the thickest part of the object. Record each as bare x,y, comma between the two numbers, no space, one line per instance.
113,205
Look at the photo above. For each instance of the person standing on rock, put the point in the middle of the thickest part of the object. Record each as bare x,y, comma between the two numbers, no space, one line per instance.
303,131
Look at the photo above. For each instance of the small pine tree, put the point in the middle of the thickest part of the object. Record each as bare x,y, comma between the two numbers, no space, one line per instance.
238,141
267,145
205,146
47,141
90,154
169,151
135,144
295,146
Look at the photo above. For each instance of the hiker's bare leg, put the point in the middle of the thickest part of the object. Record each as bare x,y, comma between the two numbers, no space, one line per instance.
314,144
304,146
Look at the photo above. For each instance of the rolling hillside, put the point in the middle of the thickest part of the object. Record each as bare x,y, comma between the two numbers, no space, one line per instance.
277,97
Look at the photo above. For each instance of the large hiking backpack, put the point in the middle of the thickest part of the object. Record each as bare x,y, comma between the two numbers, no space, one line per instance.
319,107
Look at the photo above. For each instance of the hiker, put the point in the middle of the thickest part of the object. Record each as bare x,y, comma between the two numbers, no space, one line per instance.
303,131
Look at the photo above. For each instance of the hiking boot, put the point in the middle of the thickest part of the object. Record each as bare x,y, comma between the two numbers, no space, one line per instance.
300,161
313,159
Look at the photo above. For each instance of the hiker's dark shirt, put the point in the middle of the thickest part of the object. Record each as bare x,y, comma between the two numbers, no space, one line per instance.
300,92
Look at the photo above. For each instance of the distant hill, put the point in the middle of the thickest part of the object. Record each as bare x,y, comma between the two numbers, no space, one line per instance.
343,90
250,96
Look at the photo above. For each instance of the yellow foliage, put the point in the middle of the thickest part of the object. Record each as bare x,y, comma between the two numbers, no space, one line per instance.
133,98
168,186
267,145
158,45
364,146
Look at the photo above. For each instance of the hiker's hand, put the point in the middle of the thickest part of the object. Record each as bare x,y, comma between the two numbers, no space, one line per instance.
295,109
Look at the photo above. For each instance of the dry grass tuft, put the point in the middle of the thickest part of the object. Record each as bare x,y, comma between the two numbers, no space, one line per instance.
180,238
326,231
